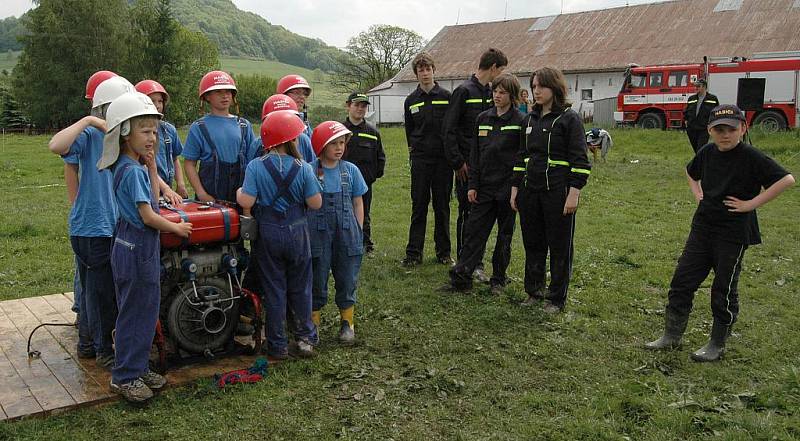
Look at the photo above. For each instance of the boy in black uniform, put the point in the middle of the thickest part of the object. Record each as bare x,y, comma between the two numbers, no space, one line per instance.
468,100
491,162
726,178
431,177
695,116
365,150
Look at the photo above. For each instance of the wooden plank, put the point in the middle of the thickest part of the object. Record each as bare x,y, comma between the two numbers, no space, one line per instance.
62,304
70,296
15,397
64,364
67,337
36,374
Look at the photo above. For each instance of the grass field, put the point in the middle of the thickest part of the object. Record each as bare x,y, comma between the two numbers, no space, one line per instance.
431,366
8,60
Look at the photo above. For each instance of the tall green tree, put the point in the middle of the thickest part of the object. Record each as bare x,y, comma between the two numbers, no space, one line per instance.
252,90
374,56
67,41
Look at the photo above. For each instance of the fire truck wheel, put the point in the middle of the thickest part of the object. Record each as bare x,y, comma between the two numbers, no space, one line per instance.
769,121
651,121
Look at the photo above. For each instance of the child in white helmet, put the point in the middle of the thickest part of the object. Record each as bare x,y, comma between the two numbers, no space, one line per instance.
130,147
92,219
337,241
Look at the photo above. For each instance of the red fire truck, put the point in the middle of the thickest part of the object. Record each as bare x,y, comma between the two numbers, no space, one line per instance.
765,86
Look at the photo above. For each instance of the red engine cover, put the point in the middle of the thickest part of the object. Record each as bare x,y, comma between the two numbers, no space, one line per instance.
208,223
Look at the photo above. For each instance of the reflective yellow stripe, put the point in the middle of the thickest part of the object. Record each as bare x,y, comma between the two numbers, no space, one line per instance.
581,170
485,127
416,105
441,102
527,159
510,128
367,135
691,101
554,162
474,101
489,100
522,169
711,101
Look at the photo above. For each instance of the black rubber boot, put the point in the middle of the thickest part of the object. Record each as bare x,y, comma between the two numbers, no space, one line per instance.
715,347
674,327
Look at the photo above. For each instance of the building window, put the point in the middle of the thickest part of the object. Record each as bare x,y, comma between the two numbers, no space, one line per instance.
610,81
586,94
593,83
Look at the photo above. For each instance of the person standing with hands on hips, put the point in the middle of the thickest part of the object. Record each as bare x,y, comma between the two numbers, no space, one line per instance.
550,171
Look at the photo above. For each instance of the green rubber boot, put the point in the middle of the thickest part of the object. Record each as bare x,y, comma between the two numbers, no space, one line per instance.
674,327
715,347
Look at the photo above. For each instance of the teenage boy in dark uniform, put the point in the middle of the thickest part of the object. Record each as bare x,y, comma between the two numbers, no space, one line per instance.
695,116
431,176
491,164
365,150
726,178
468,100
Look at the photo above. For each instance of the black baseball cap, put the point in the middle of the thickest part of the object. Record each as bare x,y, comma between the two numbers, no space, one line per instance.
727,114
701,82
356,97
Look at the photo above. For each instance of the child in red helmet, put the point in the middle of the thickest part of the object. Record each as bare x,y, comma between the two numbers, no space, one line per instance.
283,102
278,187
337,243
223,143
297,88
169,144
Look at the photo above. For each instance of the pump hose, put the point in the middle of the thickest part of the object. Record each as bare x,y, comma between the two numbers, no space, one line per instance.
37,354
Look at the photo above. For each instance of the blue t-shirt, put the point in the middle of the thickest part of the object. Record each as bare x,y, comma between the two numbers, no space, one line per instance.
227,136
305,148
94,213
167,134
332,179
133,189
258,182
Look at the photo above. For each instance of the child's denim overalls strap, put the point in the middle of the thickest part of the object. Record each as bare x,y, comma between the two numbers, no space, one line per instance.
136,263
296,209
169,168
336,217
219,178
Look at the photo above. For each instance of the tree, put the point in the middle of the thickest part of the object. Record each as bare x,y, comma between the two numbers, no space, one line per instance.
374,56
67,41
10,116
252,90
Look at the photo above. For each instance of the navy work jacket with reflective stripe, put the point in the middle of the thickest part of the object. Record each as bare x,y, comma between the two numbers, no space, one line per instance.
424,114
468,100
494,151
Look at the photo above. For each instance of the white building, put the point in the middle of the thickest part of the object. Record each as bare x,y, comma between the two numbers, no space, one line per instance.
593,48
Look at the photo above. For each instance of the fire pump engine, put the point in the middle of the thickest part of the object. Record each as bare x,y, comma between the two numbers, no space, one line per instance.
765,86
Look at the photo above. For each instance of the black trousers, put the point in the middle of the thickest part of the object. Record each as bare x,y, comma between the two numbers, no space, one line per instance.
367,198
464,208
482,218
545,228
697,137
702,253
430,180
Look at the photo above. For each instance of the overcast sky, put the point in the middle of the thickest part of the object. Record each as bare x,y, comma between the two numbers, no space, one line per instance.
335,21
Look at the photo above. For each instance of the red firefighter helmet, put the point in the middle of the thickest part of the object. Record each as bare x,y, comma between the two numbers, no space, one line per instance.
326,132
148,87
216,80
276,102
280,126
95,80
290,82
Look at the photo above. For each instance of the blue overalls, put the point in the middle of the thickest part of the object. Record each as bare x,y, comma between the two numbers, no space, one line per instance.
136,263
168,172
284,263
337,245
219,178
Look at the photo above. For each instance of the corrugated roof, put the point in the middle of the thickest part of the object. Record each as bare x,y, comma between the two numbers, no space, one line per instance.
672,32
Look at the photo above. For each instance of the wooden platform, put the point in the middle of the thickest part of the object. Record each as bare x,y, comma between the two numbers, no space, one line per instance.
58,380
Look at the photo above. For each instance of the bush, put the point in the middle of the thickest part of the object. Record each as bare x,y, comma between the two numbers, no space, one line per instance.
253,90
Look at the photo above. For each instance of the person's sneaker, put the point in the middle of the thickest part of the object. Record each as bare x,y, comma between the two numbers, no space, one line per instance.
534,297
449,288
135,391
498,290
410,262
347,335
86,354
275,355
445,260
480,275
105,361
153,380
301,349
551,308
